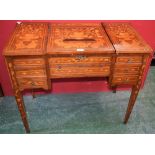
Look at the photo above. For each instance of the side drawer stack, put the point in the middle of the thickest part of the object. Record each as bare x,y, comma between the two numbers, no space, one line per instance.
126,70
30,73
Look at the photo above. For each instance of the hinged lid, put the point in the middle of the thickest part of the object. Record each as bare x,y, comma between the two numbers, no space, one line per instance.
27,39
125,39
74,38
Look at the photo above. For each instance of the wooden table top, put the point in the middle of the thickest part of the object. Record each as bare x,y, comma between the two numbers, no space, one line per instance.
125,39
27,39
73,38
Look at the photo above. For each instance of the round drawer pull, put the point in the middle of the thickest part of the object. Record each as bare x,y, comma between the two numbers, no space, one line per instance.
126,79
80,57
59,67
32,83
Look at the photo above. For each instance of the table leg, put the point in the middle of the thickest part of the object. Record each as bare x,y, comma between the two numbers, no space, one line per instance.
135,90
21,108
131,103
18,96
114,89
33,94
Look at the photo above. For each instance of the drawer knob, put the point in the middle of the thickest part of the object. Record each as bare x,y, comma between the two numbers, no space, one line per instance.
80,57
59,67
33,84
126,79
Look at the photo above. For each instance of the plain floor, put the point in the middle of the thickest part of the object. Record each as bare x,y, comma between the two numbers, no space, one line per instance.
101,112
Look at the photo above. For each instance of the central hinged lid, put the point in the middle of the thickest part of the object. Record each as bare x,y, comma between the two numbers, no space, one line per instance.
69,38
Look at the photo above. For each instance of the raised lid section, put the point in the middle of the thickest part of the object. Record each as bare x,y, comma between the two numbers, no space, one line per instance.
125,39
70,38
27,39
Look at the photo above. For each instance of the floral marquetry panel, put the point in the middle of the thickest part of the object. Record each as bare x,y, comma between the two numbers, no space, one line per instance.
28,39
78,37
125,39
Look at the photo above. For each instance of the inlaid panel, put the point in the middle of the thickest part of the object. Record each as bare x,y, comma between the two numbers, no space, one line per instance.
78,38
27,39
82,70
132,80
31,83
128,69
79,66
129,59
125,39
29,63
35,73
80,59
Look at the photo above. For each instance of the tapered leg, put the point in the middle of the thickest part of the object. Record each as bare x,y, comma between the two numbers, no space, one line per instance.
33,94
18,96
131,103
135,90
114,89
21,108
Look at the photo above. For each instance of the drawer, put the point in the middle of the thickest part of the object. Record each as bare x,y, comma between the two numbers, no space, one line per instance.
79,59
130,59
25,83
32,62
124,79
31,73
88,70
126,70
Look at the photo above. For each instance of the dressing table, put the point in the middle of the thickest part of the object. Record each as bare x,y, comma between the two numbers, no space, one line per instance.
36,53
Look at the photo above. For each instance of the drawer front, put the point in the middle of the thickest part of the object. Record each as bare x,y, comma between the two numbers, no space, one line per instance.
31,73
124,79
79,59
26,83
28,63
129,59
75,70
126,70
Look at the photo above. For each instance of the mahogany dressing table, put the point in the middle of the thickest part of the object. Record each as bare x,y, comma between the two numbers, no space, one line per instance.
39,52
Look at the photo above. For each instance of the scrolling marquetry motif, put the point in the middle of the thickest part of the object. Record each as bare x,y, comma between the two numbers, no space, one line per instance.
125,39
39,52
27,39
70,37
